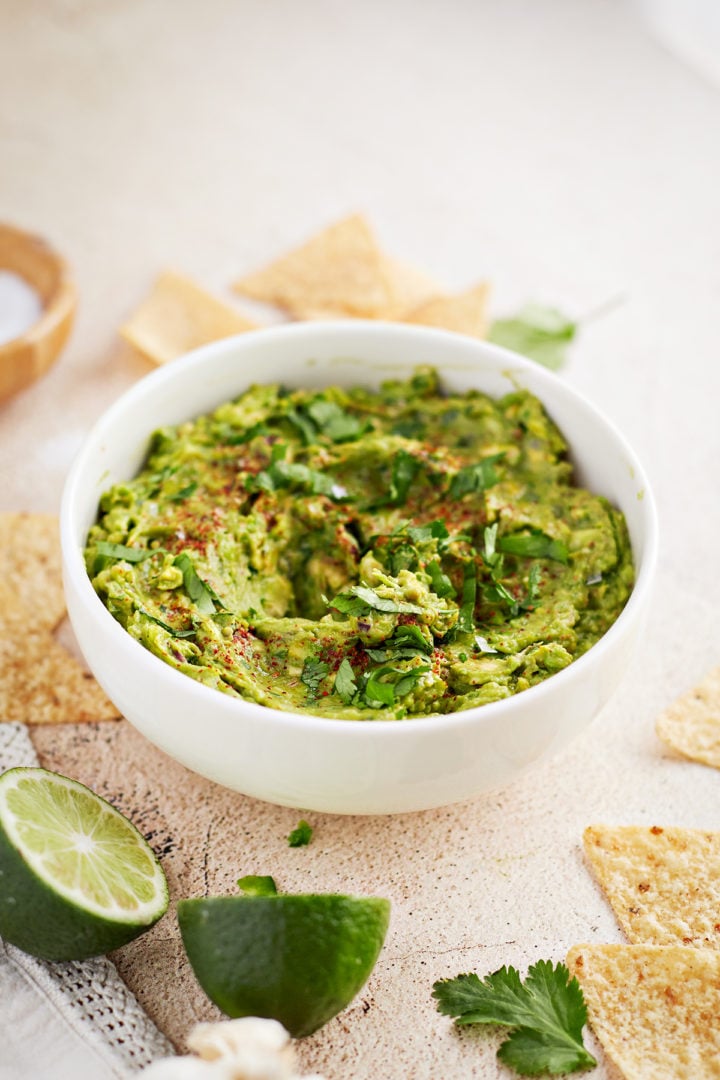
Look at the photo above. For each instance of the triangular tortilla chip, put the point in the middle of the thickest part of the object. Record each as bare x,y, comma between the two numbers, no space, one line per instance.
465,313
178,316
663,883
30,562
411,287
40,682
692,724
338,272
653,1008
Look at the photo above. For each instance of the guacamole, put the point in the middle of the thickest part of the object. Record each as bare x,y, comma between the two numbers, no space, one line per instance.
362,554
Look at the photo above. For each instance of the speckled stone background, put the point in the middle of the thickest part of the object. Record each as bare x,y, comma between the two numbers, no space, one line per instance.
551,146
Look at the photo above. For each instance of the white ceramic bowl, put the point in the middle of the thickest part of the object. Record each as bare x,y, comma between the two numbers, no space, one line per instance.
341,766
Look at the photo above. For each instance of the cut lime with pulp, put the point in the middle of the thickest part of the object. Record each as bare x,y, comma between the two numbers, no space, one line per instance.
76,877
298,958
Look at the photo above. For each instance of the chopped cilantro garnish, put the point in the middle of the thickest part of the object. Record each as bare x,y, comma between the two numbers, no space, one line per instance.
301,835
404,470
166,626
313,673
466,618
547,1013
328,419
345,684
440,583
292,474
474,478
183,493
360,599
198,591
542,333
534,545
121,551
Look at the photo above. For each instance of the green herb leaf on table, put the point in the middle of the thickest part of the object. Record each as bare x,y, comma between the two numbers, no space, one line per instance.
538,332
547,1011
301,835
257,885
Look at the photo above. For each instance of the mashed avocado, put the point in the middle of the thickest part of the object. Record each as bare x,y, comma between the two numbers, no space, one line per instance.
362,554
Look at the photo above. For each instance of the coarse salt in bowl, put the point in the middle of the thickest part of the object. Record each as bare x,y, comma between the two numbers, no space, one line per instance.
343,766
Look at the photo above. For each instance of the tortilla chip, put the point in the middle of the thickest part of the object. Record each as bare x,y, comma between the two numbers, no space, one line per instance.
465,313
692,724
40,682
653,1008
411,287
31,564
663,884
338,272
179,316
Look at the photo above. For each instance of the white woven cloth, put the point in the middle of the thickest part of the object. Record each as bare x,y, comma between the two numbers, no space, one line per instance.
66,1020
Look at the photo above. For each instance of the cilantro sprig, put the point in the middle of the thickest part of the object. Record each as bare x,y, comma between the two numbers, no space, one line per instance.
327,418
313,672
296,476
301,835
474,478
547,1013
541,333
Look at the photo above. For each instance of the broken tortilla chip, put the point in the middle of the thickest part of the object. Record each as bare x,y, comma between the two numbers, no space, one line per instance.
464,313
691,725
653,1008
30,561
662,883
178,316
338,272
411,287
40,682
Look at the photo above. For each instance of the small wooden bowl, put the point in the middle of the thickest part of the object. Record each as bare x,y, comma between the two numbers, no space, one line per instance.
29,356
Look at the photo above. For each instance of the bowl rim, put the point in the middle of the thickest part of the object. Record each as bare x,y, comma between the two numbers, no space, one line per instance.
376,727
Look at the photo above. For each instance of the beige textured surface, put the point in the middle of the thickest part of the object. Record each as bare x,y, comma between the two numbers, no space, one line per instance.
691,725
30,563
663,883
211,137
654,1008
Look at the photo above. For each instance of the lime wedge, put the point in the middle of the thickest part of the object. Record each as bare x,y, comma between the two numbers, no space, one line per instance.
298,959
76,877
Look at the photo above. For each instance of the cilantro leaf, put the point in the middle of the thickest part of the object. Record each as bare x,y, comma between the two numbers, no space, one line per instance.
292,474
313,673
436,530
386,684
440,583
541,333
475,478
183,493
301,835
404,470
548,1012
361,598
120,551
200,593
334,422
257,885
466,617
345,684
536,545
166,626
377,692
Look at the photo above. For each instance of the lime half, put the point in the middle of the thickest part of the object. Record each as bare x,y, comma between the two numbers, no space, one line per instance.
76,877
298,958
